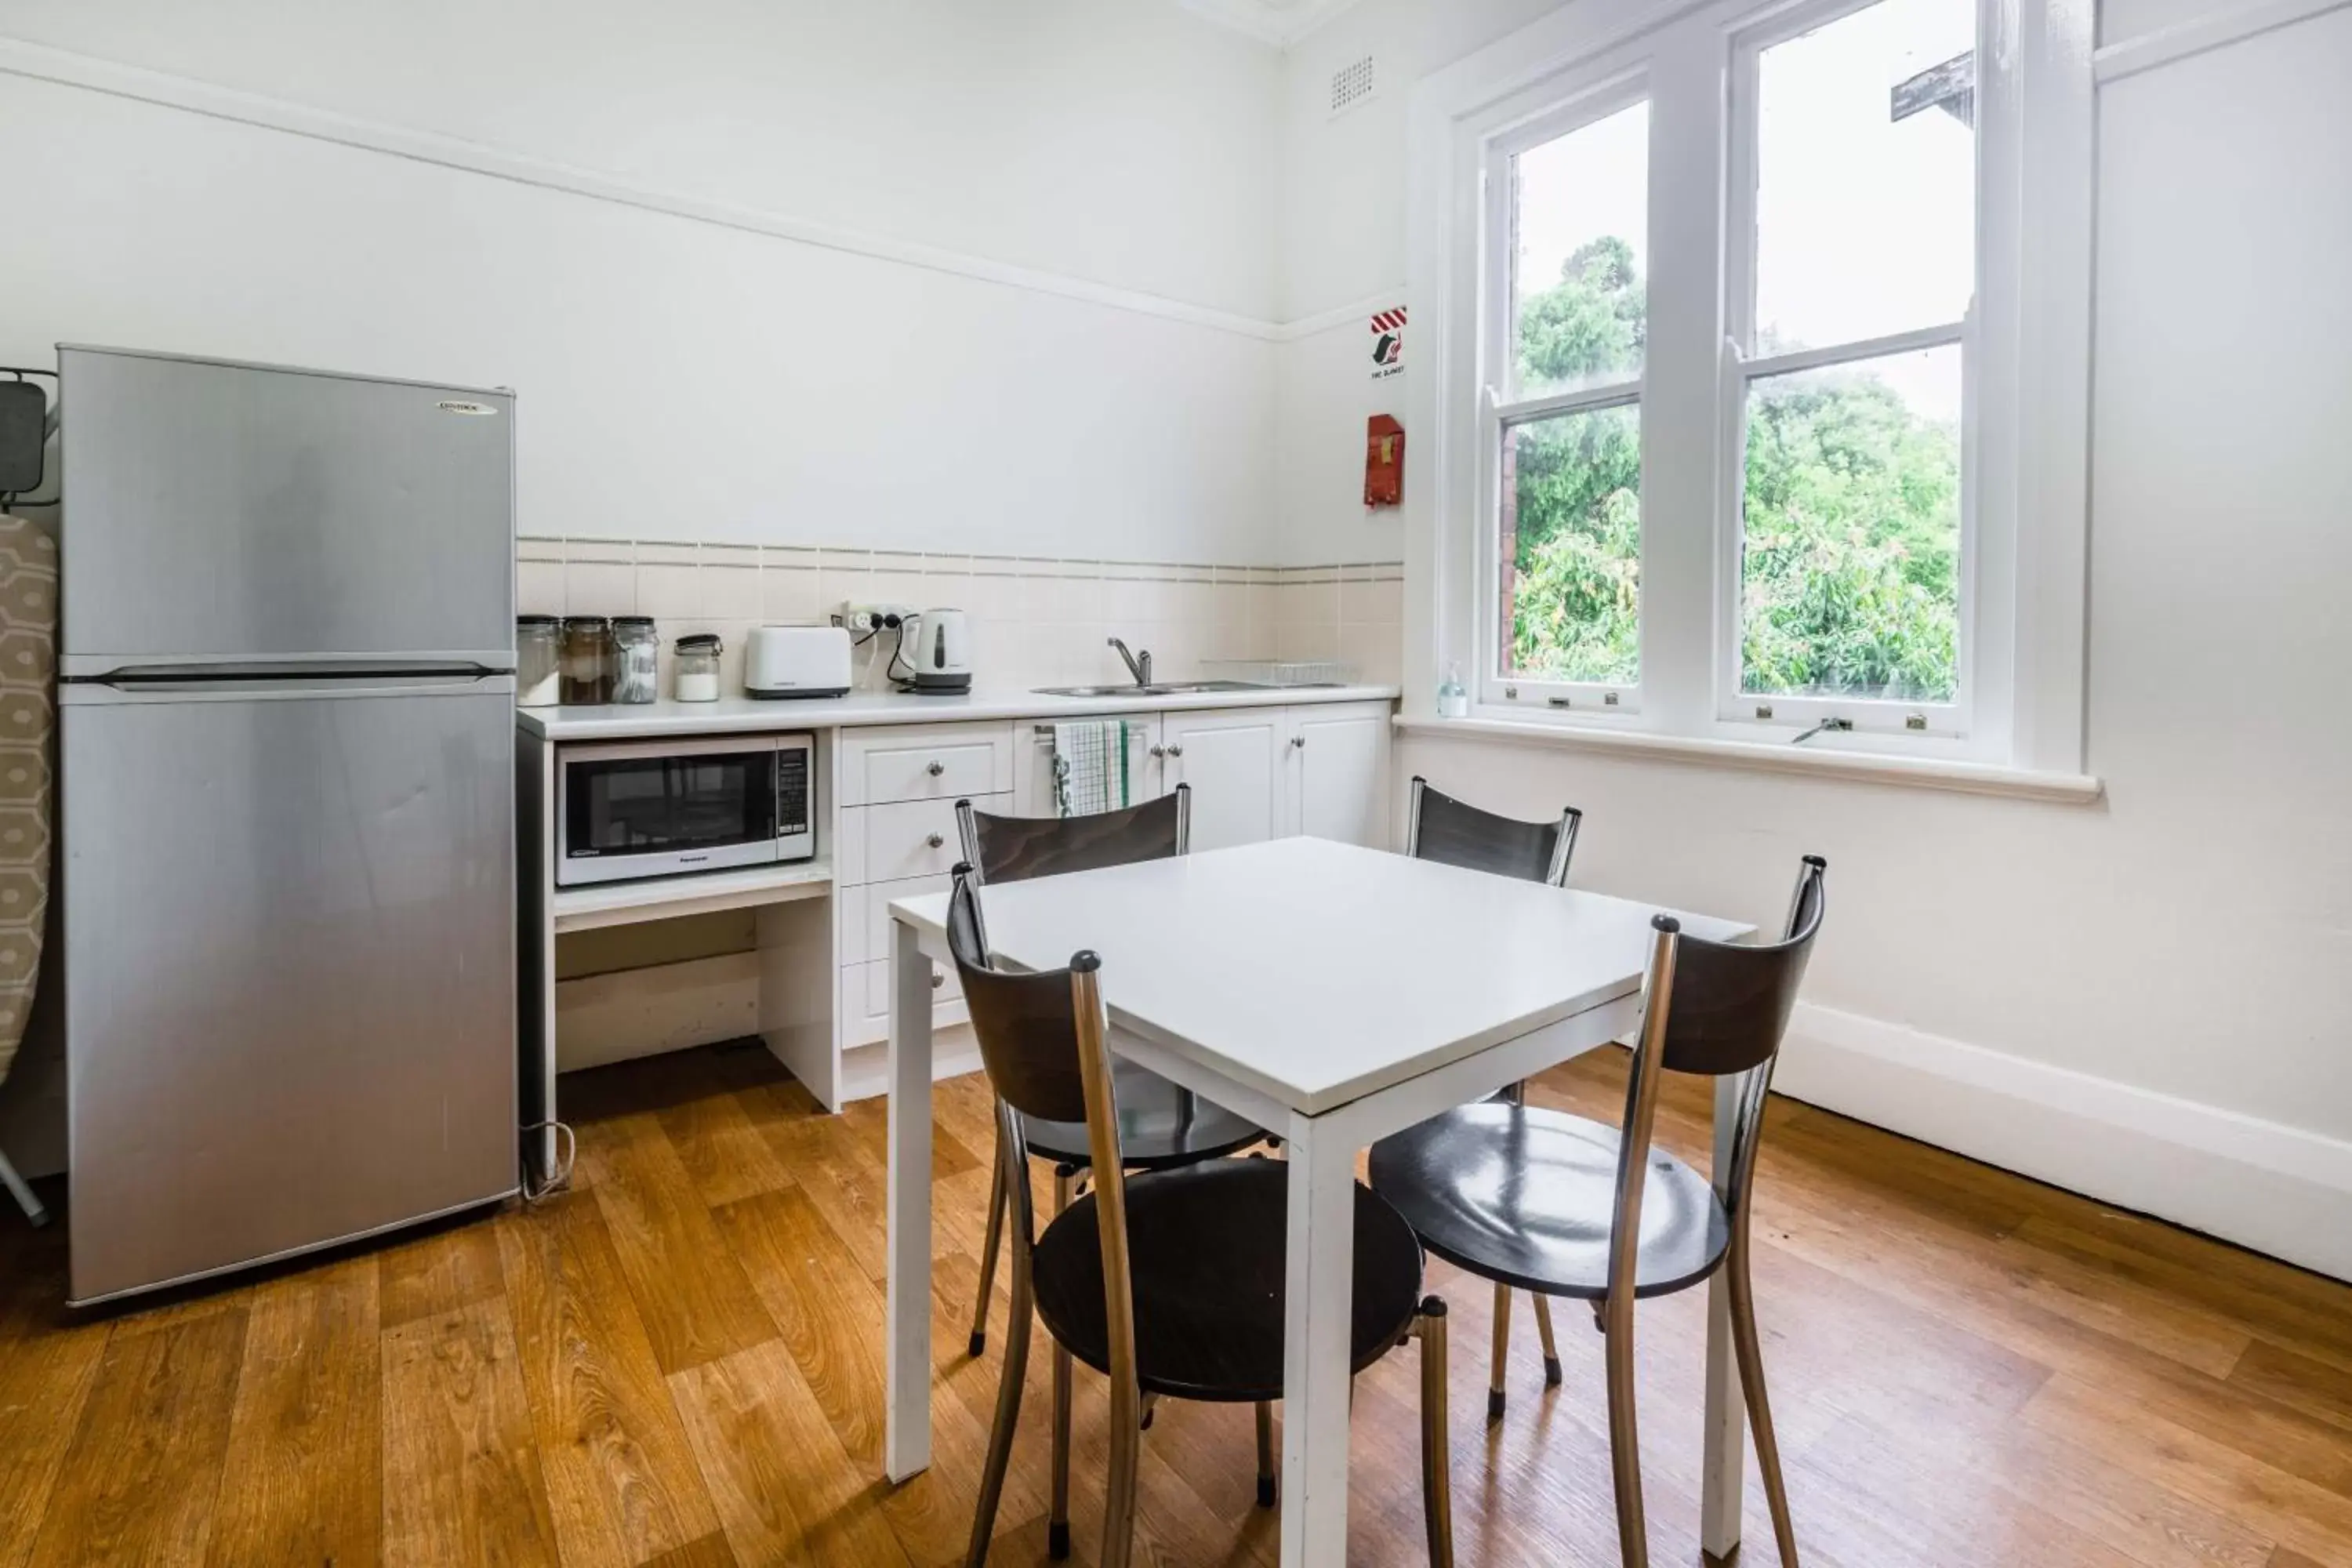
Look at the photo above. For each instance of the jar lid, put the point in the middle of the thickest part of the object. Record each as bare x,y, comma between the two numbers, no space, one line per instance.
700,640
535,620
633,620
585,623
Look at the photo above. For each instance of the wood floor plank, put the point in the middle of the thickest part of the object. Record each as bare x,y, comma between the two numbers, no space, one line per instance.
47,1362
711,1551
787,1489
305,1444
438,1273
461,1466
690,1294
721,1149
140,1483
2316,1387
622,1483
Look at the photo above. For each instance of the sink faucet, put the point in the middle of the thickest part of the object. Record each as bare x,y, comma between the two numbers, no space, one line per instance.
1138,665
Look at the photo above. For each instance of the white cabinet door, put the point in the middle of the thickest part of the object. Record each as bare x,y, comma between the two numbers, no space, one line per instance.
1338,765
1032,763
1233,760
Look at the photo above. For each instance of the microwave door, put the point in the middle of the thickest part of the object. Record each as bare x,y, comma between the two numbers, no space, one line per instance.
668,809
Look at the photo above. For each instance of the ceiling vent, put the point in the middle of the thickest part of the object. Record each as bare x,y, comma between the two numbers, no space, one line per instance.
1351,84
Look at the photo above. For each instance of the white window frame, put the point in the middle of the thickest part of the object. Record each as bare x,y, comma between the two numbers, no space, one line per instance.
1593,101
2026,399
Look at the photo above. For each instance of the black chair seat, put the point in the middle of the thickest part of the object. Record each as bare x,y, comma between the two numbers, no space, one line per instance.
1154,1130
1207,1246
1523,1195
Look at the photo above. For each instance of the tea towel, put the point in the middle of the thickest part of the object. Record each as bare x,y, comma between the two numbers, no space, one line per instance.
1090,766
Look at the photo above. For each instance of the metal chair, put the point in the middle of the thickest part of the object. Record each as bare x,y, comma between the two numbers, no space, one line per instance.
1553,1203
1440,827
1169,1282
1160,1125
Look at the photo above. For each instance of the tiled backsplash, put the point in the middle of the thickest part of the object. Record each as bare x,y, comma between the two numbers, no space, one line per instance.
1034,622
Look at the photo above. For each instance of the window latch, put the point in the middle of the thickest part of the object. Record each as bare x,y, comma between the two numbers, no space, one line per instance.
1840,725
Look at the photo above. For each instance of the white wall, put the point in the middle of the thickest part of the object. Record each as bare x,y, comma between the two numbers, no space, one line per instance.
2149,999
683,379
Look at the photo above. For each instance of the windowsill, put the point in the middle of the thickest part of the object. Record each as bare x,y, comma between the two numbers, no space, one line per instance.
1859,767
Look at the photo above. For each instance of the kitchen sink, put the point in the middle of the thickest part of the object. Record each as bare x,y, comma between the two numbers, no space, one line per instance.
1157,689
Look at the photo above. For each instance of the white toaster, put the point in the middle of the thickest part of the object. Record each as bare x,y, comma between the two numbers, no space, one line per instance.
796,662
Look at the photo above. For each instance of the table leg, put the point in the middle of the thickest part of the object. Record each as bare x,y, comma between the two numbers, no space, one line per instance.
907,1444
1318,1305
1726,1423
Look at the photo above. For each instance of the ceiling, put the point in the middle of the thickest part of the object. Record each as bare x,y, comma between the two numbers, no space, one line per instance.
1278,22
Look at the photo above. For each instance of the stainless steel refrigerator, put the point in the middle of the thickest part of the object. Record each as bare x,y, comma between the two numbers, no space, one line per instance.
287,778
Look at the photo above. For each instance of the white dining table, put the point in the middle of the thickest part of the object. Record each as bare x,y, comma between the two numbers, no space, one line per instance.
1335,995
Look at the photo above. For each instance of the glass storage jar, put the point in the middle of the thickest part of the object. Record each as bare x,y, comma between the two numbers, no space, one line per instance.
587,661
539,660
637,659
698,667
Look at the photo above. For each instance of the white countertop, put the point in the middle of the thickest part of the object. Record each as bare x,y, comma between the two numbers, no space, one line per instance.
736,715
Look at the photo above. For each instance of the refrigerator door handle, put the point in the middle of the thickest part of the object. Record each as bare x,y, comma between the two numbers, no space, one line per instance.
193,667
127,690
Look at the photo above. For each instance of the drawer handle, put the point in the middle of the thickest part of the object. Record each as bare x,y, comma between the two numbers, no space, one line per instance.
1175,750
938,979
934,840
936,769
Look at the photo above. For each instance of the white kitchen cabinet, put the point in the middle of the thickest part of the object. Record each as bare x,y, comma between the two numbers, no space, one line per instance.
1233,758
1335,774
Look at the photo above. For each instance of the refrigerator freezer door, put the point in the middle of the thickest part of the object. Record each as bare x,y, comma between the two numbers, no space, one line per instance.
289,972
232,513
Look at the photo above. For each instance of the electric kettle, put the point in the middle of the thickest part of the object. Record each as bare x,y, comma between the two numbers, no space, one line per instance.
934,652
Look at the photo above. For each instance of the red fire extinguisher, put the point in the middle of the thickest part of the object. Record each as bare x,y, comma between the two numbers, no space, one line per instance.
1383,461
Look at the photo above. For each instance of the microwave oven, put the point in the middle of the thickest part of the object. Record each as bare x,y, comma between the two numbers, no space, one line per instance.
662,808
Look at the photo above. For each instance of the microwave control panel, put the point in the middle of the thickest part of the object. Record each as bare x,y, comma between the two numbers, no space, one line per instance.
791,792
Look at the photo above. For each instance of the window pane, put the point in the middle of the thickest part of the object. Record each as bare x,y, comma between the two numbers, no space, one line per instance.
1571,577
1580,225
1865,224
1850,573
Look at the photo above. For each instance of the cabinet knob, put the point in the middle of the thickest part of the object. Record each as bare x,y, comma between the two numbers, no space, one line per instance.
938,979
936,769
1175,750
1158,751
935,841
1298,742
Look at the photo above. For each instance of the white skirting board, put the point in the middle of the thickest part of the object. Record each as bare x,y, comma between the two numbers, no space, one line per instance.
2277,1189
629,1013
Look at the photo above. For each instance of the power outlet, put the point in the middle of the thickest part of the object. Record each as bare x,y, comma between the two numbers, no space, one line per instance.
860,619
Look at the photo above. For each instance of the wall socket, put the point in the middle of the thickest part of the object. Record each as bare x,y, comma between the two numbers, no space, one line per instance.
861,619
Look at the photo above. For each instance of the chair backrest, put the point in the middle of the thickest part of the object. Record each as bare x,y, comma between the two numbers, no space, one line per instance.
1713,1008
1440,827
1015,848
1731,1001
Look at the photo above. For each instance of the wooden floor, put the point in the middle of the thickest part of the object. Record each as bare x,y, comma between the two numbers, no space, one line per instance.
680,1362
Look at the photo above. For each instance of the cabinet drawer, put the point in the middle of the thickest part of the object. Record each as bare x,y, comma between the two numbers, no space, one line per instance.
945,762
865,914
907,839
865,1005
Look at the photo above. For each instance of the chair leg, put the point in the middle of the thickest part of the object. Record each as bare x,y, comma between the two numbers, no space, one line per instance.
1436,1464
21,1192
1624,1439
1265,1488
1502,1353
1749,1350
1008,1415
1543,1327
1119,1492
997,1203
1057,1527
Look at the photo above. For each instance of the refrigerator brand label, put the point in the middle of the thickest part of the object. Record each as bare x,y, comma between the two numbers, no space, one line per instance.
452,406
